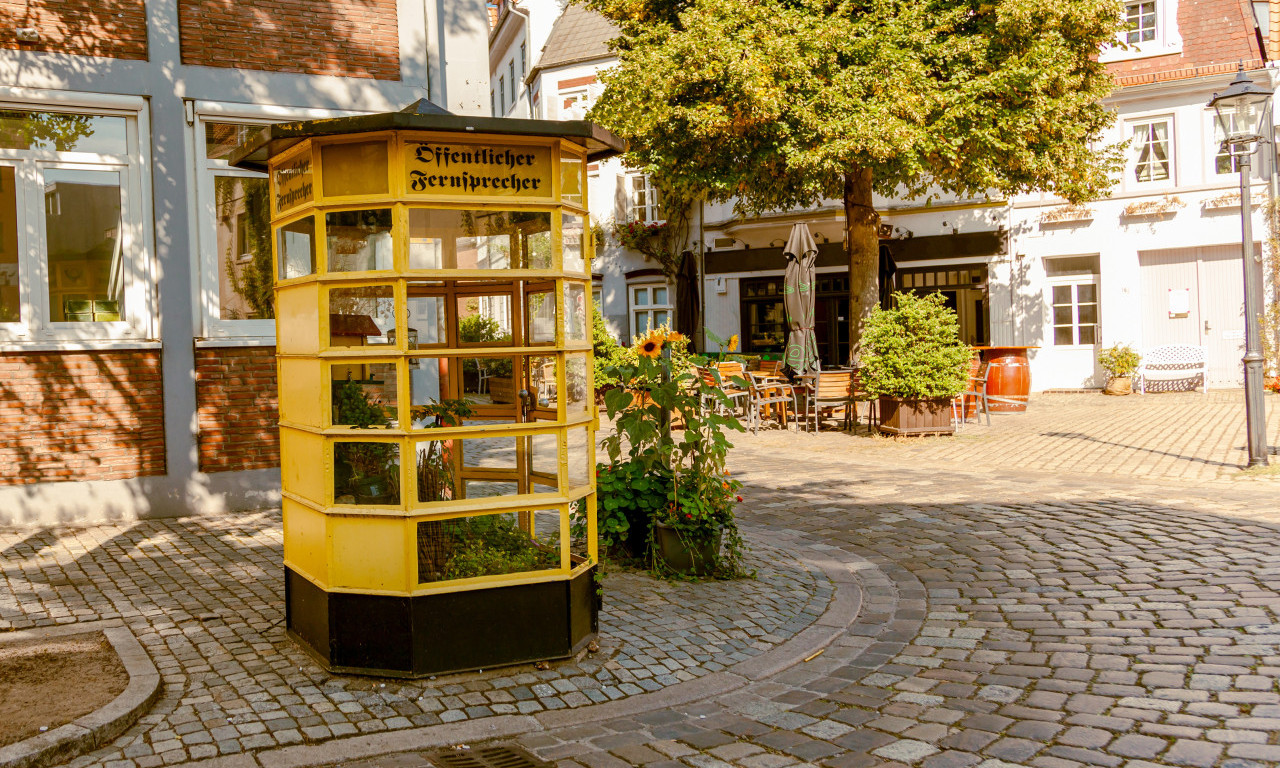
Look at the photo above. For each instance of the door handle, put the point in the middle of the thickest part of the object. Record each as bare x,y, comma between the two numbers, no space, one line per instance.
1206,326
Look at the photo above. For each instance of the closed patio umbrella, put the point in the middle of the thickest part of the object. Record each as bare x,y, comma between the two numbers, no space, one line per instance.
798,298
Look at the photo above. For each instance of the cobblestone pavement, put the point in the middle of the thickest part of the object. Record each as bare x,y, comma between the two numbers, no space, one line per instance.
1174,435
205,599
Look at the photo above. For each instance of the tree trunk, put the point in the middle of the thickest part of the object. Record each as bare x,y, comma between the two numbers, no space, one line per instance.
862,247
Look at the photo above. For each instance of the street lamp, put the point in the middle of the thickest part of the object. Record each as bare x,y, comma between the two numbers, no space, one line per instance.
1239,111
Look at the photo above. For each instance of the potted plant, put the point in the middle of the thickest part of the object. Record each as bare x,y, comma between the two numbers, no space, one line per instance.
914,361
1120,361
366,472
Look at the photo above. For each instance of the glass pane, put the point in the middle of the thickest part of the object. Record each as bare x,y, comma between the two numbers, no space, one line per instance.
541,312
484,320
10,301
660,296
63,132
361,316
575,317
448,239
1088,334
660,318
86,258
1062,315
296,245
488,545
1062,335
366,473
1086,293
642,323
544,458
488,380
426,318
542,381
358,240
221,139
364,395
490,453
1088,313
578,397
571,180
640,297
437,470
580,468
243,231
355,169
571,231
428,387
1061,294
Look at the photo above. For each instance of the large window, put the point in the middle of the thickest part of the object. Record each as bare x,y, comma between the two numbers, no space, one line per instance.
650,308
72,260
1073,300
642,199
1140,21
235,237
1152,145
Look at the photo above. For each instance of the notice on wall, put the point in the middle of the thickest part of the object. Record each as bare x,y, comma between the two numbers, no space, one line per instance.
1179,302
292,182
455,169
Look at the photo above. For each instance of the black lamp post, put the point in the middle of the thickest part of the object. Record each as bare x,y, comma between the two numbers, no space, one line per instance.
1240,110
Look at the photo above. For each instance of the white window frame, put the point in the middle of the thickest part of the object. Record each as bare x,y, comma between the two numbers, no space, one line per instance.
502,96
1135,151
137,326
1074,281
511,73
204,229
1167,40
579,101
635,309
651,211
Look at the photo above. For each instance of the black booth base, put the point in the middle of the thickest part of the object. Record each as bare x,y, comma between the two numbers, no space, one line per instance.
446,632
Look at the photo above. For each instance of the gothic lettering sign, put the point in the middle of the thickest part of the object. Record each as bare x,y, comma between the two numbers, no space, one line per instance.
292,182
452,169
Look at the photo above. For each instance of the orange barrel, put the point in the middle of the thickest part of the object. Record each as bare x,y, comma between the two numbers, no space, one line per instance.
1008,376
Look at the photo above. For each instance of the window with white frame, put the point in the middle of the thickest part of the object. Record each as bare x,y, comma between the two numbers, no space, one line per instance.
643,203
511,73
524,61
73,261
502,96
493,103
1152,147
574,104
1140,21
1072,288
650,307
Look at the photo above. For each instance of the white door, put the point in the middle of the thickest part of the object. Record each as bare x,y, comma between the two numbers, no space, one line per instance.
1196,296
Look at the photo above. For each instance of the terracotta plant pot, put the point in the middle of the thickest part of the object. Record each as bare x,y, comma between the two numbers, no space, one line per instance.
1118,385
680,558
899,416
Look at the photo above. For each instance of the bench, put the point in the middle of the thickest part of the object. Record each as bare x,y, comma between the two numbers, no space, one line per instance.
1173,362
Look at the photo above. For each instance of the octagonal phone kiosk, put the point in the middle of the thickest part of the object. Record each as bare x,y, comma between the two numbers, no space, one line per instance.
436,402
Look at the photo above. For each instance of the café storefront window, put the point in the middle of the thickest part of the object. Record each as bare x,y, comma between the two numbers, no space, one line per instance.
963,288
764,318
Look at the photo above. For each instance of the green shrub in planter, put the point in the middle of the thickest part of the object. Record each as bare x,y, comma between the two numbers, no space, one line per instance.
1119,361
913,351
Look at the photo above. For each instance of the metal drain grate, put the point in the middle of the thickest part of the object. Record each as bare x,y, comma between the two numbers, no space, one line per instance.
485,757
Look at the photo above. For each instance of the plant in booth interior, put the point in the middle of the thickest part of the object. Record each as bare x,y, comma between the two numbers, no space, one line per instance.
366,472
914,360
677,485
1120,361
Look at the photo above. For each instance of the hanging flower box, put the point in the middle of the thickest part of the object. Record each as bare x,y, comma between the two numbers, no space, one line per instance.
1066,213
1231,200
1161,206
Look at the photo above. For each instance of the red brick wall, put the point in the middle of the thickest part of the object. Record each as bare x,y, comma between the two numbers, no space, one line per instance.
80,416
113,28
1215,35
354,38
236,408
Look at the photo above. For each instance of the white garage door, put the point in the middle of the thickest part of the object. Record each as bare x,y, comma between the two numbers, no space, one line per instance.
1196,296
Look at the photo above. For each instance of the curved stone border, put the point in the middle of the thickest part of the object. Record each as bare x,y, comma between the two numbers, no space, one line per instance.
102,725
849,573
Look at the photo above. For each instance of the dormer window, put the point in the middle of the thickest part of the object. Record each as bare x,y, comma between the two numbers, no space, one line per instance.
1140,21
1149,28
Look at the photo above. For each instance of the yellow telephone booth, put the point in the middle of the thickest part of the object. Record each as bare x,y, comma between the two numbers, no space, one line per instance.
436,403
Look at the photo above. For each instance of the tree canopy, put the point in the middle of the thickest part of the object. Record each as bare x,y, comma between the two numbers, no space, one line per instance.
777,103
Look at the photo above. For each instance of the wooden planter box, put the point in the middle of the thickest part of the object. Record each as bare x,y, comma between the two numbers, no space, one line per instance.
915,417
502,390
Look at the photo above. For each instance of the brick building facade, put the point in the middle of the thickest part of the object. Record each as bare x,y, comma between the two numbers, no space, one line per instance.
137,372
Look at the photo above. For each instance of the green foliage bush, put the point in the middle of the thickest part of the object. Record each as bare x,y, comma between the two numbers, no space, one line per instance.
913,350
1119,360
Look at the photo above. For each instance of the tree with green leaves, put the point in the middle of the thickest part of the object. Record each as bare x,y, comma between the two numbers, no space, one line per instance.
780,104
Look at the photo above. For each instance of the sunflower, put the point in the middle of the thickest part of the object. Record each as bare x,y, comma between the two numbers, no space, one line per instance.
651,347
733,343
675,337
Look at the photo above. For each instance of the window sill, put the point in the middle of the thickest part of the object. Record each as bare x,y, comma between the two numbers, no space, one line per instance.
79,345
1148,51
236,341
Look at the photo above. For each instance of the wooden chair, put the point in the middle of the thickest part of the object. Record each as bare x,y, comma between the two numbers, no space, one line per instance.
975,389
770,391
740,397
830,392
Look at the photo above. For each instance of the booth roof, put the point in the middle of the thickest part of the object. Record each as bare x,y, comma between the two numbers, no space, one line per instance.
422,115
